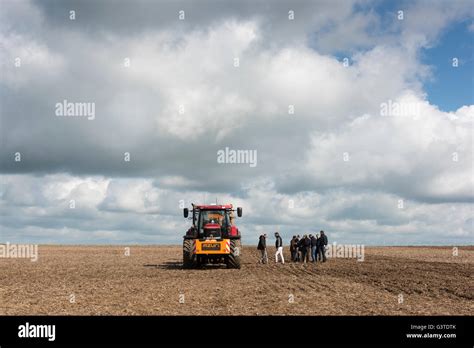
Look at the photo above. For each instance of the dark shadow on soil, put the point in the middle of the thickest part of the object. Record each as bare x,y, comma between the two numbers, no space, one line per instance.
166,265
179,265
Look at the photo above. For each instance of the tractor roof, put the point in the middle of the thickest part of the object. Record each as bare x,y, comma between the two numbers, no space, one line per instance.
213,206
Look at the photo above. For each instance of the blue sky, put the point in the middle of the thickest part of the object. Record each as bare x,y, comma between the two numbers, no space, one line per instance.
451,87
447,87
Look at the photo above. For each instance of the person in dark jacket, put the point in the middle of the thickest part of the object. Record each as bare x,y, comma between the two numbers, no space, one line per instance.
302,249
323,241
306,248
262,246
293,248
297,246
279,248
318,247
314,242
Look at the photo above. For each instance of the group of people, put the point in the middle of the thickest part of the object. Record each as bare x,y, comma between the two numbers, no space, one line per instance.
300,248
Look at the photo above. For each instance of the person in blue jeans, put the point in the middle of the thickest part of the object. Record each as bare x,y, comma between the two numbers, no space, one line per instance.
314,248
322,242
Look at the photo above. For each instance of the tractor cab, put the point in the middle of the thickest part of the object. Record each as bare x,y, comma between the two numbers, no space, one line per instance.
213,223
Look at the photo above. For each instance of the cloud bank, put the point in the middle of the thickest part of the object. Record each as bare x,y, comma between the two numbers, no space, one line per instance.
352,146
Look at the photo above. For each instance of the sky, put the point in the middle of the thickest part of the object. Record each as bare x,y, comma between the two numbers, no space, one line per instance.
360,115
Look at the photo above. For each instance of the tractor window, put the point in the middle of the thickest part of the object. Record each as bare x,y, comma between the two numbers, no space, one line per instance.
220,217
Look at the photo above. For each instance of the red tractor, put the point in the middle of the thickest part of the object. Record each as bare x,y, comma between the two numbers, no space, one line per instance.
213,238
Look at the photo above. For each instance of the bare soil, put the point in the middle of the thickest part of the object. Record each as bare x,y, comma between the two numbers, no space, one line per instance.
101,280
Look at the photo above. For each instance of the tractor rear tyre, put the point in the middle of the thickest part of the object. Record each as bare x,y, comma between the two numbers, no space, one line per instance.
233,260
189,258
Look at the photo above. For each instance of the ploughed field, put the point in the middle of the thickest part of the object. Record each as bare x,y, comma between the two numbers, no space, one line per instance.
101,280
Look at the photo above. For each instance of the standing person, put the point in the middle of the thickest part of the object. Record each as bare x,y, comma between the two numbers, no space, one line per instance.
317,247
297,247
314,242
302,254
307,248
293,249
279,248
303,248
323,241
318,253
262,246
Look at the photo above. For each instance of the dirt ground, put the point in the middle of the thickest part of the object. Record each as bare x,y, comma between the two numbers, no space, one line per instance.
101,280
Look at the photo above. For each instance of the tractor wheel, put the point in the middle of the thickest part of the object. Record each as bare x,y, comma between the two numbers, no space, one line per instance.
189,259
233,260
